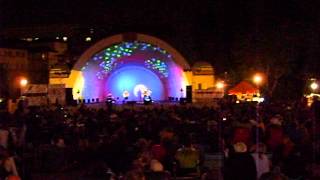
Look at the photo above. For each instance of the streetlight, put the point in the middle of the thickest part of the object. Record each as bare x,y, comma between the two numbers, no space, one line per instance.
257,79
23,82
220,85
314,86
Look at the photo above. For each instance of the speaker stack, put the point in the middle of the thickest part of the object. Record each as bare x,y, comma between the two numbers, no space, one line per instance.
189,94
69,97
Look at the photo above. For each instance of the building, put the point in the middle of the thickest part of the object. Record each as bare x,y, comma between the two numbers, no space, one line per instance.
13,68
30,61
203,82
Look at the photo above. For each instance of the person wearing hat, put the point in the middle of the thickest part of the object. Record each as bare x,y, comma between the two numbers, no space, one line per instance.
157,171
240,165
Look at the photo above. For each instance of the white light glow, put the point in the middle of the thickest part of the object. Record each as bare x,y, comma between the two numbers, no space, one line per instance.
220,85
314,86
257,79
23,82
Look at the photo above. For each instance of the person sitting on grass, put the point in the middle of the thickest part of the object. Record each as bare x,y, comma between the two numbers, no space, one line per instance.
188,159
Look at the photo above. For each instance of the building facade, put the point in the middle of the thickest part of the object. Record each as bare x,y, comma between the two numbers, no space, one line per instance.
13,67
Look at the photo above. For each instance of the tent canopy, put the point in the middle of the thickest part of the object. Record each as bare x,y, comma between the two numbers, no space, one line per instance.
243,87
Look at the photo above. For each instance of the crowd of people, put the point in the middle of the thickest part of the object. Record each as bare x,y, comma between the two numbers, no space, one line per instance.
245,141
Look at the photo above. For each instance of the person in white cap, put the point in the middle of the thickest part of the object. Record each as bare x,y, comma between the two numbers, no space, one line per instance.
240,165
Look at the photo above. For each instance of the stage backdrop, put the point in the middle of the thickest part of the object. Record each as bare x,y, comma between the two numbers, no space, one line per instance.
136,66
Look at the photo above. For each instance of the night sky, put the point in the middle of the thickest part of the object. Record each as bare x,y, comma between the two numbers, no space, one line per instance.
227,33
